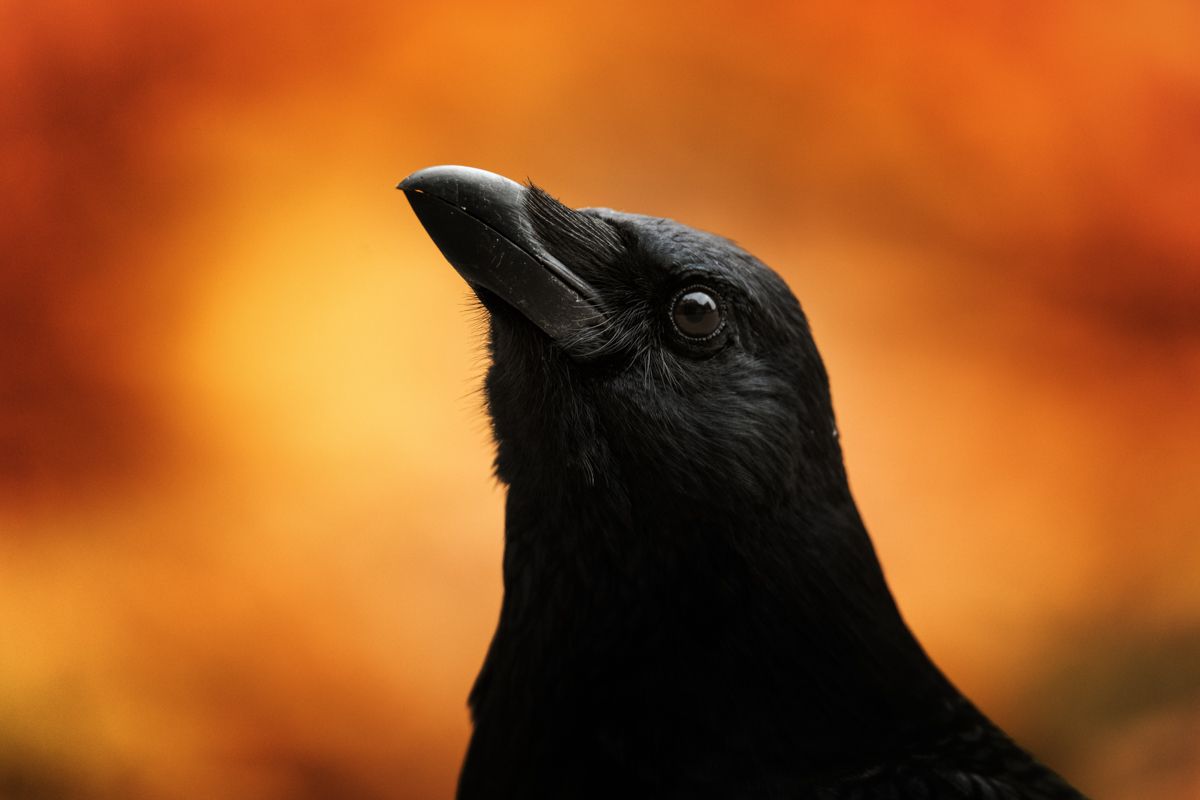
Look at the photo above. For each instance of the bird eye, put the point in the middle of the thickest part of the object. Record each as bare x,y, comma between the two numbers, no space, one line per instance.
697,313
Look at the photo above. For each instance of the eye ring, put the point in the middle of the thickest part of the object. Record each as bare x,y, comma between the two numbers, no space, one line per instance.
697,313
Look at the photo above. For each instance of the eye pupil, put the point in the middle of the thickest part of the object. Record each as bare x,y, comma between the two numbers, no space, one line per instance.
697,313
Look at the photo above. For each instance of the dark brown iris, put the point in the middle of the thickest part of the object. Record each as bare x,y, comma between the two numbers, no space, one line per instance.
697,313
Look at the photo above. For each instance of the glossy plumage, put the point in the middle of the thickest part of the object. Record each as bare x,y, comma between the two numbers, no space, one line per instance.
693,608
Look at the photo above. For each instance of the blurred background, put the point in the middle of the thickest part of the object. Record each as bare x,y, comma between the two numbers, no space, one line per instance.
249,541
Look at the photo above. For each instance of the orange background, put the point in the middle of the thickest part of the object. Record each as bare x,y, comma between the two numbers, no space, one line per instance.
249,544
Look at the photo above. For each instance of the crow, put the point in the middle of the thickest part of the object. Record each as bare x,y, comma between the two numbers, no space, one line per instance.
692,605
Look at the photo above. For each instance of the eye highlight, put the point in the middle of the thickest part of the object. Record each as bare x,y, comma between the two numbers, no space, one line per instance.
696,312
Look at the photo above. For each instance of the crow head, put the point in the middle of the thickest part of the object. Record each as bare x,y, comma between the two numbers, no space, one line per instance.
692,605
631,353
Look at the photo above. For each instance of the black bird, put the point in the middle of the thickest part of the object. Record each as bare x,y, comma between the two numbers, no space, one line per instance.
692,605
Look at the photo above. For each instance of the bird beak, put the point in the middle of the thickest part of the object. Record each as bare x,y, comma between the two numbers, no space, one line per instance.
479,221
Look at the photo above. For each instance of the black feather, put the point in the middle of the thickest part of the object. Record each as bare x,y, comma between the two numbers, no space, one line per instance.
693,608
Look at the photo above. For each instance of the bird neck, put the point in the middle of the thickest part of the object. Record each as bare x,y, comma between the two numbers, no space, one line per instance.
772,634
